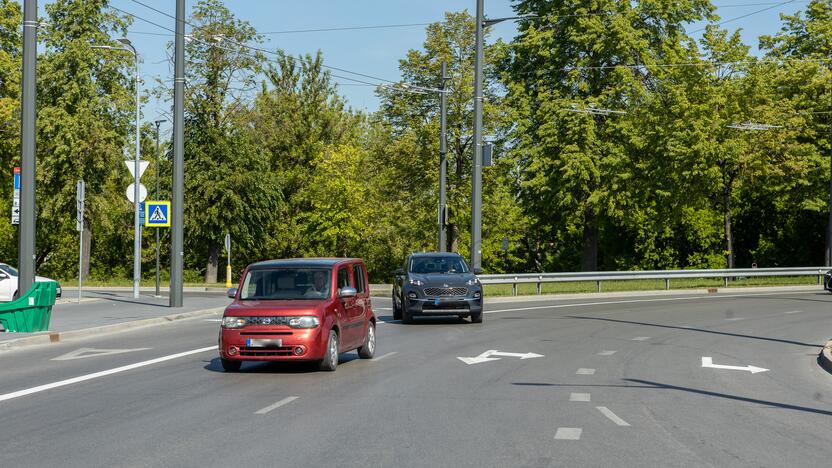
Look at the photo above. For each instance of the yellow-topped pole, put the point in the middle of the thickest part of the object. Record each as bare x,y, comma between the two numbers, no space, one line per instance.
228,266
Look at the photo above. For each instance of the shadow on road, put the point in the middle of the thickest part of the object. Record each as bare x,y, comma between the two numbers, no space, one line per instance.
700,330
660,386
266,367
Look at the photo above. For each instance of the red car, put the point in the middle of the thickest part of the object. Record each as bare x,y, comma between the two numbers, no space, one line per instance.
299,310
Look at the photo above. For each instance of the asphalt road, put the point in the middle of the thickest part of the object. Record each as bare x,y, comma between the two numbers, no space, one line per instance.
620,382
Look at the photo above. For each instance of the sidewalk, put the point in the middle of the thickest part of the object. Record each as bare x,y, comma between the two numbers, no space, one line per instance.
112,311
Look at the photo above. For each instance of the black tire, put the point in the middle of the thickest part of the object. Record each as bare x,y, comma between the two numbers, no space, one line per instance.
16,295
330,361
368,349
407,317
230,366
397,308
476,318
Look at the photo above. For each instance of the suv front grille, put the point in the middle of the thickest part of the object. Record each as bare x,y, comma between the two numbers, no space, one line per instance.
281,351
444,292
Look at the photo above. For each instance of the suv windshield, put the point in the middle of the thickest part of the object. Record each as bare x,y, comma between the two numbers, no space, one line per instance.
286,284
8,269
438,264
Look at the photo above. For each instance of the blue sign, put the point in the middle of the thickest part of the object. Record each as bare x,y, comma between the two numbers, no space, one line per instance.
17,181
141,213
156,214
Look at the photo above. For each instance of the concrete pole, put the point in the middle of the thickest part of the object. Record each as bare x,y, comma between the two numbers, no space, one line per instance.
26,240
177,199
443,161
137,228
476,173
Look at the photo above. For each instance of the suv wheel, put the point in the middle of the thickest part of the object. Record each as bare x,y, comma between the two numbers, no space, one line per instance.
230,366
407,317
397,307
330,362
476,318
368,349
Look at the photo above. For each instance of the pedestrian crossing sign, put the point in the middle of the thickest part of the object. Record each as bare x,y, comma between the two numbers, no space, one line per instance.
157,214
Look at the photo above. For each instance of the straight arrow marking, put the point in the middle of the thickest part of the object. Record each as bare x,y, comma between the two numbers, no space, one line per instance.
709,362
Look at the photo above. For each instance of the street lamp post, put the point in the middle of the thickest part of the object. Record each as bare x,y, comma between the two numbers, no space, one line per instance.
26,241
137,239
177,188
476,173
443,161
158,156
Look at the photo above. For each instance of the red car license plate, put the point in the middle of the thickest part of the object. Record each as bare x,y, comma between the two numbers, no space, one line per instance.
264,343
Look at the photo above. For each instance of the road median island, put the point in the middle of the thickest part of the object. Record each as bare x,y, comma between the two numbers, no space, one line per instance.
825,357
57,337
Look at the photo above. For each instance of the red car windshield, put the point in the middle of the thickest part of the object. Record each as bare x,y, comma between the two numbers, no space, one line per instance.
286,284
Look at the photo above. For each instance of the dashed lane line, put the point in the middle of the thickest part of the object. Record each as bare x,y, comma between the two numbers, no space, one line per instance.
612,416
607,353
580,397
83,378
641,338
585,371
790,312
391,353
568,433
734,319
277,405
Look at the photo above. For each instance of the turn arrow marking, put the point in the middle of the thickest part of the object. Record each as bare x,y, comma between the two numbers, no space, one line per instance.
486,356
709,362
83,353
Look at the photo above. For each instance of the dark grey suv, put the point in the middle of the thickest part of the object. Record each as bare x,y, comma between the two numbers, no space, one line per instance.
436,284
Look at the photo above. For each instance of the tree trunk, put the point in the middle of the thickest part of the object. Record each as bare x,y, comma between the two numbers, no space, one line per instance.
86,250
590,255
727,182
213,260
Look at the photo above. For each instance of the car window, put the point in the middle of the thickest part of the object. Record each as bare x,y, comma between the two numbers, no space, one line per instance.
358,275
343,278
438,264
286,284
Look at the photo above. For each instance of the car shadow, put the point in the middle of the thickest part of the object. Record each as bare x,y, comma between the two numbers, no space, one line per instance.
431,320
278,367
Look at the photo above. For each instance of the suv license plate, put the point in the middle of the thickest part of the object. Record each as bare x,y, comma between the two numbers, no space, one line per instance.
264,343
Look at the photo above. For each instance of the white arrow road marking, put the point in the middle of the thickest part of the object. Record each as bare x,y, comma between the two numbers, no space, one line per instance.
485,357
612,416
84,353
709,362
277,405
63,383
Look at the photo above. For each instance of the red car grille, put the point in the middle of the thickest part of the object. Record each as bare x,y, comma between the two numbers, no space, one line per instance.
440,292
281,351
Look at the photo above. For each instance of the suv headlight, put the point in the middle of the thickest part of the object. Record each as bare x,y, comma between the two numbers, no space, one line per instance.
417,282
472,282
306,321
234,322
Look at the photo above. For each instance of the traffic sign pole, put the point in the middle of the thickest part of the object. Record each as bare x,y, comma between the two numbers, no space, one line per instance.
80,197
228,254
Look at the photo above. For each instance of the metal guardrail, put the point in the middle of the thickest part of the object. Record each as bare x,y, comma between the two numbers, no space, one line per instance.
666,275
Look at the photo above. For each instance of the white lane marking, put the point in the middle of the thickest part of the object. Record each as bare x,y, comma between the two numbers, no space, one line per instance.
709,362
213,320
612,416
568,433
585,371
579,397
83,353
485,356
391,353
277,405
734,319
641,338
636,301
74,380
793,312
607,353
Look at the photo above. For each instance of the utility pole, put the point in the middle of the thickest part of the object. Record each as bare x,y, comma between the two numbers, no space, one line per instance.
476,173
26,240
158,156
177,199
443,161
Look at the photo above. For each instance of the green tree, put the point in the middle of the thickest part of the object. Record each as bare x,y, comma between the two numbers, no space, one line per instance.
10,62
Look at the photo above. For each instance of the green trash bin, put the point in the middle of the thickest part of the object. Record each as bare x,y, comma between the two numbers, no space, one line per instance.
31,312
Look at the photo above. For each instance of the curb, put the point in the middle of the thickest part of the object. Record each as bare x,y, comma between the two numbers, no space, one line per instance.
57,337
825,357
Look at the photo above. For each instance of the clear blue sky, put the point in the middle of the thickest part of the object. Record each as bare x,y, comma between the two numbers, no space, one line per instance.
377,51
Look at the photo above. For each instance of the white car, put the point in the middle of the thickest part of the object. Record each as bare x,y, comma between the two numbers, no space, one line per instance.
8,283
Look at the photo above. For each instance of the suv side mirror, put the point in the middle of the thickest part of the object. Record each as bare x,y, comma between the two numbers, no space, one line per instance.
399,271
477,271
347,292
3,275
232,293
